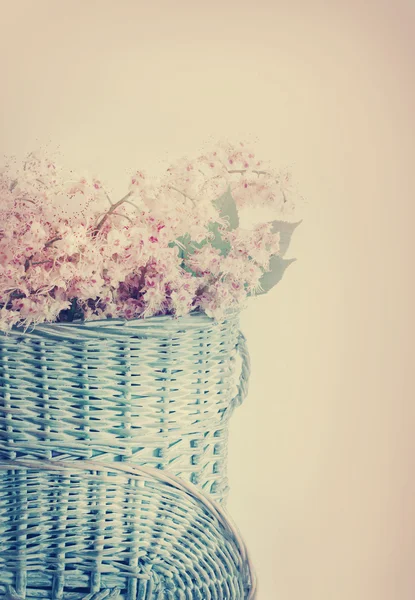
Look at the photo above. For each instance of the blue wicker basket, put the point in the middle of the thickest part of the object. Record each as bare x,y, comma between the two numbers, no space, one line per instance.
85,530
155,392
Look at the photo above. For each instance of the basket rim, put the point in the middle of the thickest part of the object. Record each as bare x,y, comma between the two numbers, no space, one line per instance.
193,320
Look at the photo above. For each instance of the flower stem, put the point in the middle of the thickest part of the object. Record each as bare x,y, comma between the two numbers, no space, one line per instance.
245,170
28,262
110,211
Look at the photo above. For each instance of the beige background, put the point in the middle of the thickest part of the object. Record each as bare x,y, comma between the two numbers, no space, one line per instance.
322,456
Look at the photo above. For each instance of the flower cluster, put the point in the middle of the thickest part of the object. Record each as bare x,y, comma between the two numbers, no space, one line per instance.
170,246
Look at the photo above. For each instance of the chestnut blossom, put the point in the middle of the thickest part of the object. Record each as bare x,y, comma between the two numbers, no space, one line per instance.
69,252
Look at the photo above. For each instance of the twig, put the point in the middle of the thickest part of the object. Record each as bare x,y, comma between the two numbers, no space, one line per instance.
42,183
25,200
183,194
123,216
52,241
132,204
110,211
28,262
108,198
245,170
27,160
40,262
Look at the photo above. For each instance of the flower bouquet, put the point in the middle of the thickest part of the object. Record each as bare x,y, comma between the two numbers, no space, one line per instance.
170,246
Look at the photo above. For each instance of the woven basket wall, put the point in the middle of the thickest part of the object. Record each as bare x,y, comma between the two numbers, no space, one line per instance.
88,531
155,392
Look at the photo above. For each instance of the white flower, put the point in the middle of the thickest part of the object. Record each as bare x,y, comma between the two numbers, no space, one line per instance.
62,241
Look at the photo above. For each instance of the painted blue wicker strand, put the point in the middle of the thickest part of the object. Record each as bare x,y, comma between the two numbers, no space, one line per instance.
154,392
151,393
188,547
245,372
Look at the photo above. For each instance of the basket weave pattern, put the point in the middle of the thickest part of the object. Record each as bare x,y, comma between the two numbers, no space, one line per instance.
155,392
109,531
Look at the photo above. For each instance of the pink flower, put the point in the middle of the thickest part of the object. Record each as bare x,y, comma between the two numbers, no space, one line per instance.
61,240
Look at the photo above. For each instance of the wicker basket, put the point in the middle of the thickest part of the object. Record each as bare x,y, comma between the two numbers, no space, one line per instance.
156,392
88,530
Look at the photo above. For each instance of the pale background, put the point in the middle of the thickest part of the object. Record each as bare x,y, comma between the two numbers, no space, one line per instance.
322,456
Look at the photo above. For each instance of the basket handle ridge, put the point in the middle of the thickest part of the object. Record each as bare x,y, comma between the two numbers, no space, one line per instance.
243,385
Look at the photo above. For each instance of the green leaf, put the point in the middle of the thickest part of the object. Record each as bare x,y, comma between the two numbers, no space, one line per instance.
183,243
278,265
228,209
229,212
217,241
186,248
285,229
